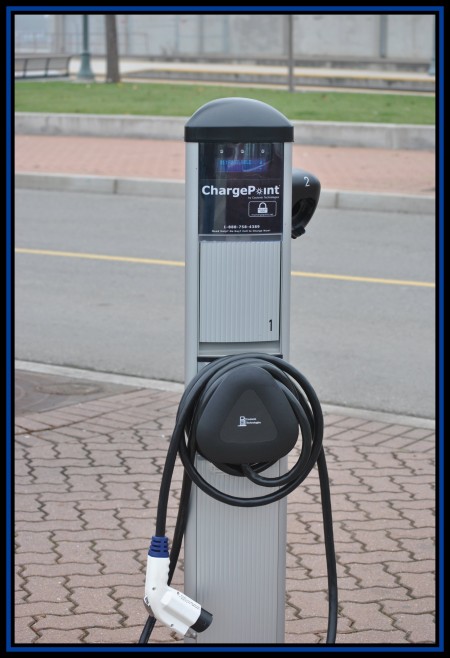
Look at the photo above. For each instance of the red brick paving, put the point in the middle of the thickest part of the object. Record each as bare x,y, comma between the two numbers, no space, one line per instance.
353,169
85,509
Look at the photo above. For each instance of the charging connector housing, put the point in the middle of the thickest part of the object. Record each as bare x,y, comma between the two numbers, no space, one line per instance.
168,605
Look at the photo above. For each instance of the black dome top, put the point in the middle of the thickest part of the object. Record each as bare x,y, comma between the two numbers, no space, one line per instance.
238,120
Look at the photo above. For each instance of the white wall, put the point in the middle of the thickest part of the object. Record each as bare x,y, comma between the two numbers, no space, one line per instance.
319,35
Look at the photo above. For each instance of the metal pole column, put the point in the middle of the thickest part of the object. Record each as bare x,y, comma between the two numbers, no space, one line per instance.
85,72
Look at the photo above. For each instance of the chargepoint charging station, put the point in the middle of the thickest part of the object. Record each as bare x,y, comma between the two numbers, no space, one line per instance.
245,408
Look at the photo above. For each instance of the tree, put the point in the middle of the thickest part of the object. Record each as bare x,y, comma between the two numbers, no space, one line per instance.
112,51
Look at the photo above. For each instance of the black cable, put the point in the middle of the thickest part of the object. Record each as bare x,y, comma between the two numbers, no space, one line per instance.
307,409
329,548
147,630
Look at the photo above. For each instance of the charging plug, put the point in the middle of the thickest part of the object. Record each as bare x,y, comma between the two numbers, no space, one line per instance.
168,605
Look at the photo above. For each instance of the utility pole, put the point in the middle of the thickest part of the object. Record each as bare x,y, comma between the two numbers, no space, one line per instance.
432,67
290,42
112,54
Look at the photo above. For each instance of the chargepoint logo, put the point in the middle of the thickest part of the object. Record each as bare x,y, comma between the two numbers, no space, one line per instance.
211,190
244,421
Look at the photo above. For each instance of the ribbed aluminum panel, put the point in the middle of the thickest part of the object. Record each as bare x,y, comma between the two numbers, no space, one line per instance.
241,557
239,291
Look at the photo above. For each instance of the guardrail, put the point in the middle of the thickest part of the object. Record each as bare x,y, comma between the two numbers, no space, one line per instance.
41,66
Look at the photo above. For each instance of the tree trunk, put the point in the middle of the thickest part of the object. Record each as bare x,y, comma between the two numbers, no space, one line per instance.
112,53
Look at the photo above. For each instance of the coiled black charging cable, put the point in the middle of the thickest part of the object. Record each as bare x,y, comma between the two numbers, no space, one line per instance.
307,409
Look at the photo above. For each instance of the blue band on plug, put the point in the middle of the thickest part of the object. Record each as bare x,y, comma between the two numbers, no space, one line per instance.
159,547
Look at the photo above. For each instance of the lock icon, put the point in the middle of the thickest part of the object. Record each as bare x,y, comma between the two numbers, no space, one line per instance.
262,208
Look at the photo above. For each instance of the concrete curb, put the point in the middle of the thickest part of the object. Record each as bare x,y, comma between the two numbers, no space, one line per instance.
319,133
177,387
341,200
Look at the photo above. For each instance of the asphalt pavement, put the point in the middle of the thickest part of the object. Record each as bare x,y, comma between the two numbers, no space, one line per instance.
89,450
102,276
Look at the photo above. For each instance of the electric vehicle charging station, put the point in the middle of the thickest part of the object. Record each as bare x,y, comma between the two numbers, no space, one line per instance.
237,300
244,203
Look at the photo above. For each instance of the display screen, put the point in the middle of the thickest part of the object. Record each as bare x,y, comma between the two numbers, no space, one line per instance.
240,165
240,189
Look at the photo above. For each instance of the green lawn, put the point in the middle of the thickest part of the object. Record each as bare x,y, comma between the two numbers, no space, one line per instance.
184,99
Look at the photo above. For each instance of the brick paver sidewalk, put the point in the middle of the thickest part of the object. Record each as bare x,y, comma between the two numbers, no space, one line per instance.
86,487
348,169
